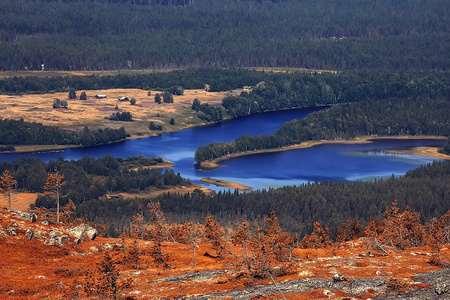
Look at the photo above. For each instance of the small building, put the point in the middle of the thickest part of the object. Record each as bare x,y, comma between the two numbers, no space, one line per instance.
124,99
100,96
247,88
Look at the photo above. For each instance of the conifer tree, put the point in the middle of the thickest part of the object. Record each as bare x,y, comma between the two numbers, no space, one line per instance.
55,182
7,184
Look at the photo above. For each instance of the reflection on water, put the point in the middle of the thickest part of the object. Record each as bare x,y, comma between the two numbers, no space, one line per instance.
345,162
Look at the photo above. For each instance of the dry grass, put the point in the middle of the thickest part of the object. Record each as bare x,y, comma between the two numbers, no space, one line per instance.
92,112
20,201
31,270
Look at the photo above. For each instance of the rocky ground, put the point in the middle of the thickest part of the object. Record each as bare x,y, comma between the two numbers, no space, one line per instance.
40,260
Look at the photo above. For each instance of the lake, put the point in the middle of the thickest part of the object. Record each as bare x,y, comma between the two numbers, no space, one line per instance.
346,162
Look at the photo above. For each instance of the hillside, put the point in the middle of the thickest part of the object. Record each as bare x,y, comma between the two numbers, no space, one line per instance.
79,35
46,261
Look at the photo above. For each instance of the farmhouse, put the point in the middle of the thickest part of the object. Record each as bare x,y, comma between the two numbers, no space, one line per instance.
100,96
124,99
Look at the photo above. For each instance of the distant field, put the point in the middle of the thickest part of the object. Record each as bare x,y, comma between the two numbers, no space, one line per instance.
21,73
92,112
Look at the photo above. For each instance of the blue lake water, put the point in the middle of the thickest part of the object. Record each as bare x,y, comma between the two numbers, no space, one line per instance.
345,162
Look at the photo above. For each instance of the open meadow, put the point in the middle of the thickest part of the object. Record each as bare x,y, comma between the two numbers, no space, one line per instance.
94,112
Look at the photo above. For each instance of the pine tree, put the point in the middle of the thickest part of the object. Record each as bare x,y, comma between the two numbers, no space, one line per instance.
7,185
55,182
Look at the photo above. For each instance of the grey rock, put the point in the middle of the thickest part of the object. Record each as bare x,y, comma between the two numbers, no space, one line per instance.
107,247
62,239
29,234
26,216
442,288
11,231
339,278
82,231
50,242
45,222
52,234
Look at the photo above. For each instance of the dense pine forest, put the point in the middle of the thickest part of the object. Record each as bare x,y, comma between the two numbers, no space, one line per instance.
19,132
425,190
90,178
387,117
323,34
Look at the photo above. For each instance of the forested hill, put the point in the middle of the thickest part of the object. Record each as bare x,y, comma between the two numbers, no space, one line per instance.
320,34
425,189
386,117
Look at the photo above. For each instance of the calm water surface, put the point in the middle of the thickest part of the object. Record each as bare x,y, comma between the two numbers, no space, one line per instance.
345,162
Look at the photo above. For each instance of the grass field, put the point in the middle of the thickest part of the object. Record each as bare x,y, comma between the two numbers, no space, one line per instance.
93,112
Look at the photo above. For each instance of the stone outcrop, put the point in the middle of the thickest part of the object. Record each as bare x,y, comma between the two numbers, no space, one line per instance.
82,231
30,217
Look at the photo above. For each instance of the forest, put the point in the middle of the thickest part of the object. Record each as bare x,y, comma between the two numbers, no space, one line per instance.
90,178
19,132
386,117
319,34
425,189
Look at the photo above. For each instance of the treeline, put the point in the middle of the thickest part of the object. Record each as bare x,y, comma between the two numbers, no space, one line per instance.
90,178
425,189
292,89
323,34
387,117
19,132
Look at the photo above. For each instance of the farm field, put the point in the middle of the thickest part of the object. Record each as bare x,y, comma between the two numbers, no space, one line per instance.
94,112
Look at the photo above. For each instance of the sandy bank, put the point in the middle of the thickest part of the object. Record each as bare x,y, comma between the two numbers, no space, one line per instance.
228,184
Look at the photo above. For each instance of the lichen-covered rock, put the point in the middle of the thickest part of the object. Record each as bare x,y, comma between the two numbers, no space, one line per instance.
29,234
45,222
107,247
339,278
82,231
26,216
62,239
11,231
442,288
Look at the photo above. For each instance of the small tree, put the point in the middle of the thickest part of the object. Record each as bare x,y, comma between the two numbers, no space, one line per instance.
172,121
7,185
64,103
167,97
133,101
56,103
158,231
106,280
193,235
149,93
158,98
68,214
55,182
72,94
214,235
83,96
196,104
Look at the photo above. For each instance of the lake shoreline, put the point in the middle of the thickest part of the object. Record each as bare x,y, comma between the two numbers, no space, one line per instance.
428,152
228,184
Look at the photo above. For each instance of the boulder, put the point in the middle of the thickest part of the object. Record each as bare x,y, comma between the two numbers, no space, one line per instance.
62,239
29,234
442,288
339,278
11,231
82,231
26,216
